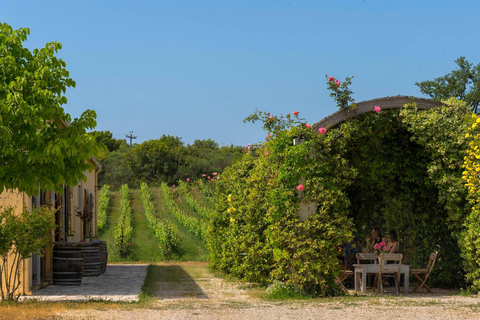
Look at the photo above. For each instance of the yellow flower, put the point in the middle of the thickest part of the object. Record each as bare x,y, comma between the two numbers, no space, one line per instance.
232,220
478,120
467,135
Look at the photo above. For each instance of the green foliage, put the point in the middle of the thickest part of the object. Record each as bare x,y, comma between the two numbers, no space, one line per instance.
280,290
256,233
471,234
20,236
106,138
340,92
156,161
161,160
193,225
103,206
115,170
204,211
35,146
409,181
165,232
396,169
124,228
463,84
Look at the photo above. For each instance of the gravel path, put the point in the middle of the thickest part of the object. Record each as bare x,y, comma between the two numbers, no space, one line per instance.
190,291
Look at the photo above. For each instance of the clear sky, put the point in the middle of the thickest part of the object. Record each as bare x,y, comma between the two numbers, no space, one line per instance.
196,69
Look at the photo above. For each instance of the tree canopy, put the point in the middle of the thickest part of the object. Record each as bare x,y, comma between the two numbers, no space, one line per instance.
463,84
40,143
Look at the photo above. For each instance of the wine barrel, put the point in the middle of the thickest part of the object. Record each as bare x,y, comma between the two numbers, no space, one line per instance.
103,254
91,260
67,265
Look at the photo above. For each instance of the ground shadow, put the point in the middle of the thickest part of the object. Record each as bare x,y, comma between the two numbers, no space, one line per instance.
172,282
119,282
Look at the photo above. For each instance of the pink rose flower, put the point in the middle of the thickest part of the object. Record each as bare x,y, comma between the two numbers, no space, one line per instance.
307,126
337,83
214,173
204,175
188,179
322,130
300,187
295,113
377,109
331,78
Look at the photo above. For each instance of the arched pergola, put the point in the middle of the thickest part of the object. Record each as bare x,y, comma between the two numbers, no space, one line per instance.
369,105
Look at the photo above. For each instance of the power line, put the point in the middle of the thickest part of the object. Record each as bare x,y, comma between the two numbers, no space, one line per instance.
131,136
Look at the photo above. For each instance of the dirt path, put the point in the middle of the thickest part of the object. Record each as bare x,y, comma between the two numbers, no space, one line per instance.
190,291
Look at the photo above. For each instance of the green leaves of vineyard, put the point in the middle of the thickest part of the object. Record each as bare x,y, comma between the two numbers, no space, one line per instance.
194,225
124,228
102,206
165,232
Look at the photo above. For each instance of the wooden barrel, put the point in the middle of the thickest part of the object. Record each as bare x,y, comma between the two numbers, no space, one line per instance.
91,260
67,265
103,254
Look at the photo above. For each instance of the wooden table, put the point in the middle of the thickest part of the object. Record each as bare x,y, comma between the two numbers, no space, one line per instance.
365,269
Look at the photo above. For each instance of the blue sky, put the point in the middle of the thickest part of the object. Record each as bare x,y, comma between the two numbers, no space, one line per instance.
196,69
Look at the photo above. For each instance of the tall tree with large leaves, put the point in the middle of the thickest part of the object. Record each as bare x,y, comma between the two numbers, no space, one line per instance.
39,142
463,84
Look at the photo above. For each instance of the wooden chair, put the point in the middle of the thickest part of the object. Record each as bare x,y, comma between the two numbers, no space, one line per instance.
366,257
363,258
392,270
423,274
344,275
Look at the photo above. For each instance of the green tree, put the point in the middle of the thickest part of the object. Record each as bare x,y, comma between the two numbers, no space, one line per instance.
106,138
157,160
206,157
39,143
20,236
463,84
115,169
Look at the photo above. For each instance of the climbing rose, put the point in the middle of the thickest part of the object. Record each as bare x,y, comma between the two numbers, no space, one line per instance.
307,125
300,187
295,113
377,109
322,130
331,78
337,83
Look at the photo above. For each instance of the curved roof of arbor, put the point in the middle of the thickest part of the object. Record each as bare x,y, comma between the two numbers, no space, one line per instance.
369,105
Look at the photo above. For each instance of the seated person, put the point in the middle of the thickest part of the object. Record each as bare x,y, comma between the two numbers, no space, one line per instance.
349,250
377,237
393,243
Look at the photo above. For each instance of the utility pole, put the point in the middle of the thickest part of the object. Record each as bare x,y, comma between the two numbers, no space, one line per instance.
131,136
